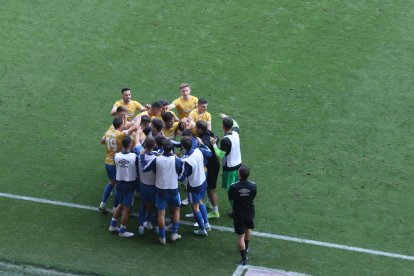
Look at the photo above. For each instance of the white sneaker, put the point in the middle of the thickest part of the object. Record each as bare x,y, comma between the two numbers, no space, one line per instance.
102,207
207,226
148,225
141,230
195,224
189,215
185,201
162,241
113,228
175,237
126,234
201,232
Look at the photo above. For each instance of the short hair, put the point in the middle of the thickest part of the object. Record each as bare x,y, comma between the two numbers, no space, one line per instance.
167,145
158,140
125,89
244,172
227,123
202,125
186,142
126,142
156,105
157,124
149,142
184,85
164,102
121,108
202,101
117,122
167,116
145,119
186,132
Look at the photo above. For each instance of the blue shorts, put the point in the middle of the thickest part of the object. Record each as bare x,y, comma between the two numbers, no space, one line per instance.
126,199
196,197
111,171
170,200
147,193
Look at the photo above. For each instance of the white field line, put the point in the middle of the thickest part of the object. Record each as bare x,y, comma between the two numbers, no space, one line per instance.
242,268
14,269
228,229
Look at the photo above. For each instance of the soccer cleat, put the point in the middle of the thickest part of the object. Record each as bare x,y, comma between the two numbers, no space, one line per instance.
185,202
201,232
102,207
195,224
148,225
126,234
113,228
141,230
243,262
207,226
162,241
189,215
213,214
175,237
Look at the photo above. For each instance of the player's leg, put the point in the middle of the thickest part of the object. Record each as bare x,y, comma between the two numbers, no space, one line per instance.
142,212
239,229
111,172
212,177
249,223
127,202
175,202
161,204
114,221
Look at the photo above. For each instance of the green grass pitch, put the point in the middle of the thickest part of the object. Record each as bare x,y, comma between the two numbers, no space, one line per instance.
323,92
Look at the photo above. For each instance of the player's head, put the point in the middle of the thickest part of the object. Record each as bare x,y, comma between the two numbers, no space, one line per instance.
126,143
156,126
149,143
158,140
185,90
121,111
126,94
168,119
227,124
117,122
244,172
145,121
164,104
201,127
186,143
167,145
186,133
156,108
202,105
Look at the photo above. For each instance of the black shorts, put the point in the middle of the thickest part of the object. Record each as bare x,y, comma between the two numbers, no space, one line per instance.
241,223
212,176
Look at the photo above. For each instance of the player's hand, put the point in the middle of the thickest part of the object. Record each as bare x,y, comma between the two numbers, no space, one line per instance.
222,115
213,140
199,141
147,106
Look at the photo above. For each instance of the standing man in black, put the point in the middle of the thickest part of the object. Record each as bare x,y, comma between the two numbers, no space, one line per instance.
242,194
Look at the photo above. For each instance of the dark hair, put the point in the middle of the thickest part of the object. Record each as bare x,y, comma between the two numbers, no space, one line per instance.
117,122
167,116
227,123
157,124
186,132
156,105
202,101
126,142
145,119
125,89
149,142
158,140
244,172
186,142
121,108
167,145
202,125
164,102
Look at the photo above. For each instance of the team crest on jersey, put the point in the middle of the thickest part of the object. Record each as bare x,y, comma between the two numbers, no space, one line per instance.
244,192
123,162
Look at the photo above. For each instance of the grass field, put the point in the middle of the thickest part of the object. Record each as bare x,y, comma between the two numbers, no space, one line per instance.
323,92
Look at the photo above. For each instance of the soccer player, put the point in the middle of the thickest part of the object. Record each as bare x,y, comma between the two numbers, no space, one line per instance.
113,140
147,187
195,176
122,112
242,194
126,174
229,152
200,114
167,168
171,127
213,168
156,127
153,112
165,108
186,103
126,101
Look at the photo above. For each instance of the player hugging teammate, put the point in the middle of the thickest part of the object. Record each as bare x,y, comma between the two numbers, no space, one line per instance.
145,157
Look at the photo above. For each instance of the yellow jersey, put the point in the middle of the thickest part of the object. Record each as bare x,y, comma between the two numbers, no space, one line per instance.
195,116
113,142
185,107
132,107
170,133
146,113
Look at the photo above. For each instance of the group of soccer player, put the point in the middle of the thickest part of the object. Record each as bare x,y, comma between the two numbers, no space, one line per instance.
148,154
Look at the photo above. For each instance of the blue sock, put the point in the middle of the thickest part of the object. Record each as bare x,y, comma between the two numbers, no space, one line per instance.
203,211
142,214
107,192
174,229
122,229
199,219
114,222
162,232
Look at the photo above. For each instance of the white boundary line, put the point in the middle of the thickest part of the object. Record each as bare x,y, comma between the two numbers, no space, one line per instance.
241,268
228,229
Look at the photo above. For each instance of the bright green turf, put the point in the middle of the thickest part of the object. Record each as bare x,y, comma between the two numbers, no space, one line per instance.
323,92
